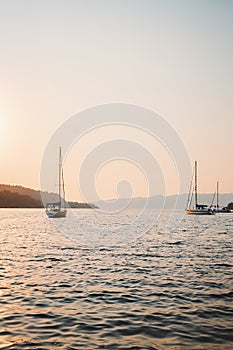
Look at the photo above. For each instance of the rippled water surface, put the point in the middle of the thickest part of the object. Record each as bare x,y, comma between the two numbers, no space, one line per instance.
166,290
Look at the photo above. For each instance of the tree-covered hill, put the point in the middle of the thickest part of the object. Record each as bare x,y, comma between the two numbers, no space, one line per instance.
23,197
15,200
21,190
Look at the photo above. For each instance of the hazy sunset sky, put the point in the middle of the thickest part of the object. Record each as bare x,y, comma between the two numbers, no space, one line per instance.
61,57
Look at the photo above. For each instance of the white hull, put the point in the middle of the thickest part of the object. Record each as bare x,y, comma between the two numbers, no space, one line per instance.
56,214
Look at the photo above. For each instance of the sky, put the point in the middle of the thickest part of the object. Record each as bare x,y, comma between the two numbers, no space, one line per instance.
59,58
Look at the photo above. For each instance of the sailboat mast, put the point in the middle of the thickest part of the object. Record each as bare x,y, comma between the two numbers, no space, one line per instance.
195,186
59,176
63,187
217,196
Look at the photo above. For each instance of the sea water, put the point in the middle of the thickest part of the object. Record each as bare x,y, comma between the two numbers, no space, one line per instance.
167,289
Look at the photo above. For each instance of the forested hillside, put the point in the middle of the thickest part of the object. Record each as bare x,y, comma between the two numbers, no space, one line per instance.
15,200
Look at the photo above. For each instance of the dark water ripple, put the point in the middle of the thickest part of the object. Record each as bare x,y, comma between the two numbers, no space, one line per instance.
163,291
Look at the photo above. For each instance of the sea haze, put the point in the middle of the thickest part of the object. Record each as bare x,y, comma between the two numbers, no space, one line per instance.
159,201
166,290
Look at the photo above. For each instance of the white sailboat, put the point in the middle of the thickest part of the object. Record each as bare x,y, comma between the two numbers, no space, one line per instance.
217,208
58,209
196,209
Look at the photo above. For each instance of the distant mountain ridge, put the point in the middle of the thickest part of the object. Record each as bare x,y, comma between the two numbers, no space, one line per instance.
168,202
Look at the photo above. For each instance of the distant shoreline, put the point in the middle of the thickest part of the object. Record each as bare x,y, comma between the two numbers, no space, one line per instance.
23,197
42,207
19,197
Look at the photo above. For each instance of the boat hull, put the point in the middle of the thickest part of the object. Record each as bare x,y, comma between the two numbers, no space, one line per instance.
199,212
56,214
226,211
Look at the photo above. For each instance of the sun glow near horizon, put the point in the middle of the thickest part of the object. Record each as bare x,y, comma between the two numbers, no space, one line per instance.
3,131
